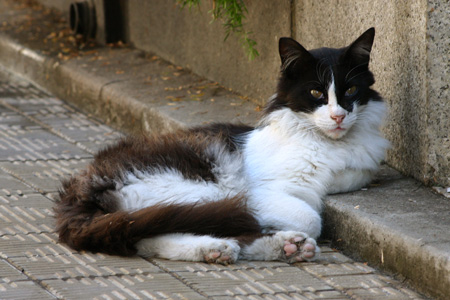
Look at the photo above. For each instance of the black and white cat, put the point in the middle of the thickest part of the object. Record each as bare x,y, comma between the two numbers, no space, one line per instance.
225,192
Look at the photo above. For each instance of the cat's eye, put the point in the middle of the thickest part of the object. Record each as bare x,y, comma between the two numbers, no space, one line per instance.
351,91
317,94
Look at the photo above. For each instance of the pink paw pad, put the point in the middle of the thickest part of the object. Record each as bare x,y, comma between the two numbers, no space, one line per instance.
217,257
298,249
289,248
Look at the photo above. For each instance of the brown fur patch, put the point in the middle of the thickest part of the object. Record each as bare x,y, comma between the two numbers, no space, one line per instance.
116,233
88,215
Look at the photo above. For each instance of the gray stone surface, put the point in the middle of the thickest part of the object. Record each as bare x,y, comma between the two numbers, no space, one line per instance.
438,88
393,224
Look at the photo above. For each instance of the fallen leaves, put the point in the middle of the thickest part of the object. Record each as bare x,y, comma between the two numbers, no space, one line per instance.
175,99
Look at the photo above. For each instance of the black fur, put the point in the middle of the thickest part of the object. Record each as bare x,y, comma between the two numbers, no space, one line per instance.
303,71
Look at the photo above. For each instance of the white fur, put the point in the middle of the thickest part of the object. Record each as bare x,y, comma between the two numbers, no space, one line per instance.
147,189
291,164
269,247
187,247
322,117
144,189
288,164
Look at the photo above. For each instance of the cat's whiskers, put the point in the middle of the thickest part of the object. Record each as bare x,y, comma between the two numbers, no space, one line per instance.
356,75
321,71
314,82
349,72
291,57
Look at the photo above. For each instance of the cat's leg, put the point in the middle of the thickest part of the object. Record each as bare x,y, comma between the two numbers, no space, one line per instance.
189,247
350,180
287,246
282,212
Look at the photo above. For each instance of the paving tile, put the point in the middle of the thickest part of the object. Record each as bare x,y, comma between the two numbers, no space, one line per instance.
338,269
24,290
329,295
256,281
53,169
43,182
182,266
140,286
32,103
12,120
47,113
25,220
9,273
333,257
89,133
409,292
359,281
36,201
81,265
37,145
19,244
32,245
278,296
10,186
385,293
44,176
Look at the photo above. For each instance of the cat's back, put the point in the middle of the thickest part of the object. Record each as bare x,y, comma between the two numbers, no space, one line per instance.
140,170
185,150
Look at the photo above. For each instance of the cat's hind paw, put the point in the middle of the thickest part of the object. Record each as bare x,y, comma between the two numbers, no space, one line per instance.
224,252
297,246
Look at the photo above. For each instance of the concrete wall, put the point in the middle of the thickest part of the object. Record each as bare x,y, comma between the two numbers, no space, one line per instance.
62,5
411,64
410,59
398,62
438,89
188,38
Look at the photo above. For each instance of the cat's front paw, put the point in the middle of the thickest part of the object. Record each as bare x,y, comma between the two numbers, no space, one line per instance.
222,252
297,246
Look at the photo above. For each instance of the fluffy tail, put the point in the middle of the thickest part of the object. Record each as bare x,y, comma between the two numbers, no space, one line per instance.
85,225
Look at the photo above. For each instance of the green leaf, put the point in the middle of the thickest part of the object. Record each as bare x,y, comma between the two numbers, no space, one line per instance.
232,13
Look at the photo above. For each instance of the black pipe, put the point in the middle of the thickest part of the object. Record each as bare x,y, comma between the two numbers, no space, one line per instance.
82,19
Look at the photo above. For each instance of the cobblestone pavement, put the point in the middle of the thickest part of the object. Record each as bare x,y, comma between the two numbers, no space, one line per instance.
43,139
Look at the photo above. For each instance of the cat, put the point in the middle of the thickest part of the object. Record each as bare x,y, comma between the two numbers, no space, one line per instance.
224,192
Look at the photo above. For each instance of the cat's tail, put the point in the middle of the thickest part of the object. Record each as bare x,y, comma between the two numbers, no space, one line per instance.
83,225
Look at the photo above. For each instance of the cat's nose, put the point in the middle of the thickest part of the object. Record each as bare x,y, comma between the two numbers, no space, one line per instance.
338,118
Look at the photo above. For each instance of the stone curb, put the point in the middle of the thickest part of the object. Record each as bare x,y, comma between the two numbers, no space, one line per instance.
374,225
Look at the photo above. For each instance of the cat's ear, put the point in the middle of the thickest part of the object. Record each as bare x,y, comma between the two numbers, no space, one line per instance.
361,47
291,52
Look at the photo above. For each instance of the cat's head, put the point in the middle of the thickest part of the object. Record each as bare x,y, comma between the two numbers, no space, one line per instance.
328,86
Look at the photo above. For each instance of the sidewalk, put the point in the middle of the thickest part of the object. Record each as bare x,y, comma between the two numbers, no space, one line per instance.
44,139
396,224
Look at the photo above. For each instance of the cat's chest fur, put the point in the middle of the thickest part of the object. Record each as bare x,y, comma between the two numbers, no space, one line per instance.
286,156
